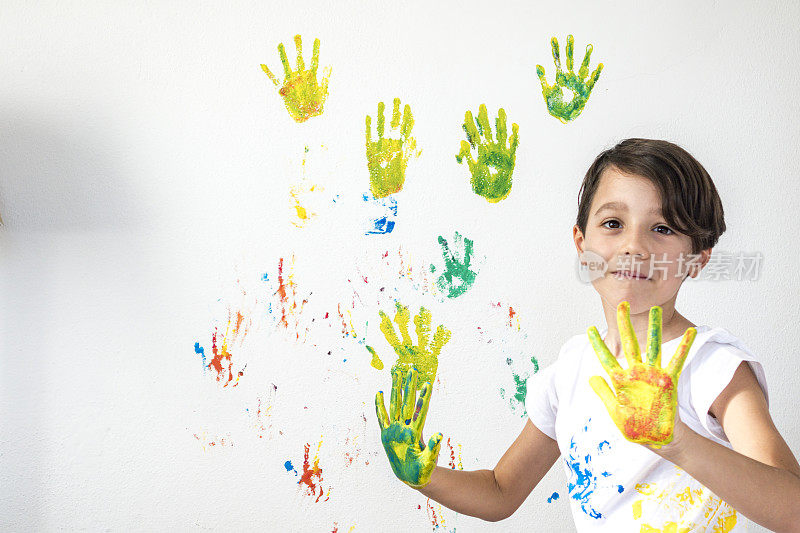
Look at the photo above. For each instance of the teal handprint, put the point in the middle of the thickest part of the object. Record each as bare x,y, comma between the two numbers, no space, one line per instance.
578,84
491,172
458,276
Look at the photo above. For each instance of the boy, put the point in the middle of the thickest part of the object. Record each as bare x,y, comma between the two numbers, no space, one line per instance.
682,452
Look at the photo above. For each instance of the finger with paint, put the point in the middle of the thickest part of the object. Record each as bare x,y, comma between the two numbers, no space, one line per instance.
646,401
401,430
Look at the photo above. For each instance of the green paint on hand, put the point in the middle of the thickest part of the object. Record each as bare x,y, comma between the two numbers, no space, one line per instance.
387,158
491,171
458,277
581,88
303,96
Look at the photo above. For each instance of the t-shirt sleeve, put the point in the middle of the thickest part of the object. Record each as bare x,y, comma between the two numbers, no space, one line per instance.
541,400
712,370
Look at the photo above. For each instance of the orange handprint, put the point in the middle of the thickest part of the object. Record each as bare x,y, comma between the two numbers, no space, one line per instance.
646,403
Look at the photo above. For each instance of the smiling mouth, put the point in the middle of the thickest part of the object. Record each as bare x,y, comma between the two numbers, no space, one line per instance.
624,274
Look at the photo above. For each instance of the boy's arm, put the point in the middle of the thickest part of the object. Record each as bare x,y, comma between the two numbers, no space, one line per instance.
494,495
760,477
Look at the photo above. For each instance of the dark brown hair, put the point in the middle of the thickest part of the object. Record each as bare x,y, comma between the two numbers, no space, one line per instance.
690,203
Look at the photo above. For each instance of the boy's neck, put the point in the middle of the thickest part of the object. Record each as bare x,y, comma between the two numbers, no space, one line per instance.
673,325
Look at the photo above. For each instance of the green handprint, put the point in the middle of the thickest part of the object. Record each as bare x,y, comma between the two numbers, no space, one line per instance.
401,430
458,277
554,96
491,173
422,357
303,96
387,159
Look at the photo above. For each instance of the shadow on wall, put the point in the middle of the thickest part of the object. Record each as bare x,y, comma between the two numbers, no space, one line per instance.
61,176
56,177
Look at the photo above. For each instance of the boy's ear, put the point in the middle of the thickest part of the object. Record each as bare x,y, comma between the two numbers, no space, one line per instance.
699,263
577,236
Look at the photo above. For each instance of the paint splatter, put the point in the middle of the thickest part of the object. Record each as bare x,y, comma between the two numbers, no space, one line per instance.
387,158
200,351
452,460
351,442
308,199
492,170
261,417
458,275
553,497
312,475
291,306
683,504
303,96
222,363
382,213
212,441
290,467
577,85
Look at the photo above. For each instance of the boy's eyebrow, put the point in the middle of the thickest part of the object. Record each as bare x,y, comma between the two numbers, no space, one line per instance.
621,206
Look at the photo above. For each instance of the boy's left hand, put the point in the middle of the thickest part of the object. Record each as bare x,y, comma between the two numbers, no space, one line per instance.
646,404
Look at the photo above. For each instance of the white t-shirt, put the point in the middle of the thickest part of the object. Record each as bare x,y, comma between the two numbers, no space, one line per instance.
617,485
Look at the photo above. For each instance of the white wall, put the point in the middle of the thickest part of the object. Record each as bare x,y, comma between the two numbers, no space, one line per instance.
145,162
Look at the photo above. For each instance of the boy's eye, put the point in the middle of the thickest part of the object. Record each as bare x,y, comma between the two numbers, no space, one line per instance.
666,230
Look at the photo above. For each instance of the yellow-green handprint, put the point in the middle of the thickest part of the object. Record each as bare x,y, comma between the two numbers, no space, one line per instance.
401,430
491,172
423,357
303,96
646,403
553,94
388,158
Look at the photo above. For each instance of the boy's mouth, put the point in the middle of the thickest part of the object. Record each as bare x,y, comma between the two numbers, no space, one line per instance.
627,274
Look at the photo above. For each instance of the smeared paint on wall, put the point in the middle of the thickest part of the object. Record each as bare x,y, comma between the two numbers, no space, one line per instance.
387,158
303,96
421,356
577,85
452,459
458,275
222,362
312,475
291,306
381,216
307,198
493,168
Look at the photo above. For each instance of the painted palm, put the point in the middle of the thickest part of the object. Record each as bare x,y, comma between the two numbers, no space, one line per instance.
387,158
578,84
401,430
303,96
646,401
493,167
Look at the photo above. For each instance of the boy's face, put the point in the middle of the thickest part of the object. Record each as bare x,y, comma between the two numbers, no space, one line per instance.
631,235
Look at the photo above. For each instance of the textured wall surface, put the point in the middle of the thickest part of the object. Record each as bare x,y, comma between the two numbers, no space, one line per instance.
159,201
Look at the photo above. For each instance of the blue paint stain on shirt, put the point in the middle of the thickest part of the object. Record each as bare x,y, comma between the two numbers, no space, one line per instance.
620,489
604,443
553,497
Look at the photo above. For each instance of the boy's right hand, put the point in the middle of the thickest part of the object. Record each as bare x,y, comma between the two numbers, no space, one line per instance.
401,430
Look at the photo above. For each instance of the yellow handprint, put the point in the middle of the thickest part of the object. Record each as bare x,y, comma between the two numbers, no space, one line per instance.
646,403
